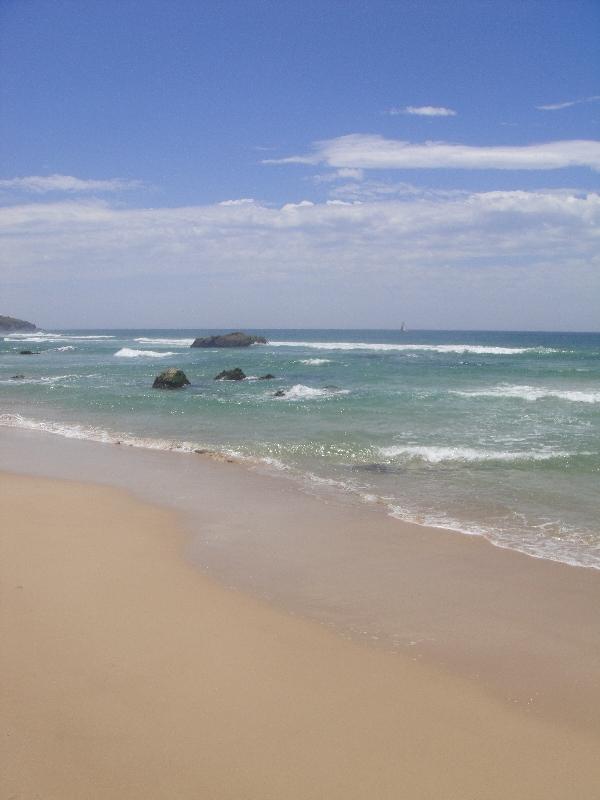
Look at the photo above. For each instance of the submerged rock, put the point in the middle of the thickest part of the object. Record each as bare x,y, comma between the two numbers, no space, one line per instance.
237,339
17,377
230,375
29,352
171,378
267,377
279,393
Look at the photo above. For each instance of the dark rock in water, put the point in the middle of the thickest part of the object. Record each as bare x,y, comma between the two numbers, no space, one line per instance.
8,324
29,352
237,339
230,375
279,393
267,377
17,377
171,378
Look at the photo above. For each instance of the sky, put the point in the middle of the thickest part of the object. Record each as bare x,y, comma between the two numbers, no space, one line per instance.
279,163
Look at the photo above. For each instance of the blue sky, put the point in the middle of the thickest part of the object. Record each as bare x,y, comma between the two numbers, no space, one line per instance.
300,163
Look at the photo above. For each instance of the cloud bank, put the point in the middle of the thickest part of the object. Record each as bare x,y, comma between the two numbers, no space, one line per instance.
451,259
417,229
371,151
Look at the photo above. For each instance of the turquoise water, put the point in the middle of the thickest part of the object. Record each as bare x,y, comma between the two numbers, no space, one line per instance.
496,434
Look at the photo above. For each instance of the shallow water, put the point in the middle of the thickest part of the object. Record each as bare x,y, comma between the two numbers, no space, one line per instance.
488,433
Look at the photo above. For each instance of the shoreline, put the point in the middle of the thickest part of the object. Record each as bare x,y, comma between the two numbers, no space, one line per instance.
525,630
265,465
129,673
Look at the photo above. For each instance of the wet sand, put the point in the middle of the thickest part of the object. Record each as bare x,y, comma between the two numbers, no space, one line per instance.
126,673
525,630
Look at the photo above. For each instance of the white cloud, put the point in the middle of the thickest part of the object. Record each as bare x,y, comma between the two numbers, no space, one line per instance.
568,103
371,151
418,229
264,263
40,184
424,111
241,202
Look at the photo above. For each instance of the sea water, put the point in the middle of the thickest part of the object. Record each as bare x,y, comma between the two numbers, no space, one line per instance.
487,433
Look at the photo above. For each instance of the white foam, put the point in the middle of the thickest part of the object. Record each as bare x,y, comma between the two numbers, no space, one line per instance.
532,393
271,461
301,392
547,549
46,379
170,342
87,432
92,434
40,337
128,352
65,348
314,362
437,348
436,455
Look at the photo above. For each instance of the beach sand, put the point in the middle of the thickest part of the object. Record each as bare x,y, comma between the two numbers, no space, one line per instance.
126,673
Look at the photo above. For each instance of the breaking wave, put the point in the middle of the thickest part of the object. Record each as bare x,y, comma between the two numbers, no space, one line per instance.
45,380
170,342
437,455
532,393
128,352
301,392
314,362
436,348
42,336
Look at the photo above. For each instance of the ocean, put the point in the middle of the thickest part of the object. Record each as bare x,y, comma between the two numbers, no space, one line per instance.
494,434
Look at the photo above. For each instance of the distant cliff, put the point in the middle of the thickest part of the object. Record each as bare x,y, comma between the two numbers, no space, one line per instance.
8,324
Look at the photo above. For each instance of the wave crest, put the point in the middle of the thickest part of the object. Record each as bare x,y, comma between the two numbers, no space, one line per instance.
436,348
171,342
532,393
437,455
301,392
128,352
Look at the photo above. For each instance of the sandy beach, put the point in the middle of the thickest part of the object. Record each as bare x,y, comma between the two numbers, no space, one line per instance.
128,673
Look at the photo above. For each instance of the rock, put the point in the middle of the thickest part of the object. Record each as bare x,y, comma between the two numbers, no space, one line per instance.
29,352
17,377
8,324
171,378
267,377
230,375
237,339
279,393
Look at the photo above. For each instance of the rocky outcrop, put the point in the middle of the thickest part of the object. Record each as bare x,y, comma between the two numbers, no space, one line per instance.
9,324
171,378
29,352
267,377
279,393
230,375
237,339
